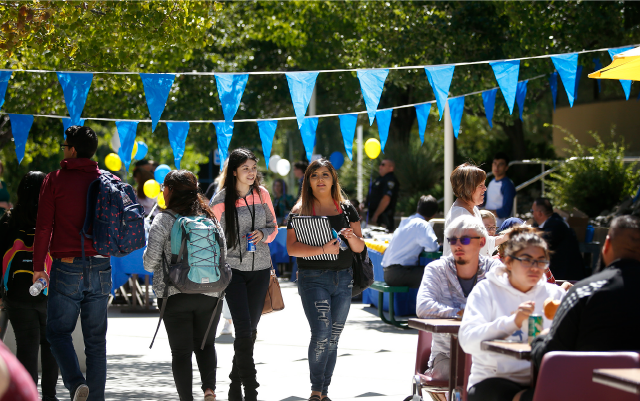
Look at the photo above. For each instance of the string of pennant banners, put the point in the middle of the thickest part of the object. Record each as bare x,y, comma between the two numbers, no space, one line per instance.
231,86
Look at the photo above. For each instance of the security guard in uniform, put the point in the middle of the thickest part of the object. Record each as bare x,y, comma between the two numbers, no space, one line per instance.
384,196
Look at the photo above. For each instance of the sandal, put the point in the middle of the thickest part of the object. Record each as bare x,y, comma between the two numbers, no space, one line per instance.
326,398
314,398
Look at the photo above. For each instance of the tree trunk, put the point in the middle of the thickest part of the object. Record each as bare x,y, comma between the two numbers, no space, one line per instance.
402,119
515,133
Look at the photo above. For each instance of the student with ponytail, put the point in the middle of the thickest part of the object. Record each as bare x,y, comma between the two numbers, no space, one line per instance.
247,217
186,316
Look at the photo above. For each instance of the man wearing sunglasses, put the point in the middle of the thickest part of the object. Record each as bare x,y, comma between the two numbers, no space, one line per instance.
448,281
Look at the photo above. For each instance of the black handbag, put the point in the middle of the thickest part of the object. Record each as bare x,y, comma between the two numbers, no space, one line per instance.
362,267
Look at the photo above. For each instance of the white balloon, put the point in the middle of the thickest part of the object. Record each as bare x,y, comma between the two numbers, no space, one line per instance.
115,142
273,163
283,167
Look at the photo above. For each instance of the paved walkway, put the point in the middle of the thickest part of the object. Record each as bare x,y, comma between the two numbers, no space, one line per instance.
375,360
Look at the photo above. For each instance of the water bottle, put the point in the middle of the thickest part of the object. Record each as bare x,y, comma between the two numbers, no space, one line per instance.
37,287
343,246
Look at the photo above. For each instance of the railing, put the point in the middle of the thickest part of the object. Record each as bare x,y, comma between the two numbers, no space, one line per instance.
544,173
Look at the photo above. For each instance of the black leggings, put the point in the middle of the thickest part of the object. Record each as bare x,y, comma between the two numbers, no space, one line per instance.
245,294
496,389
186,318
29,325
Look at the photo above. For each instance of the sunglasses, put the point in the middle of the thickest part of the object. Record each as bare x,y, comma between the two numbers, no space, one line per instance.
463,240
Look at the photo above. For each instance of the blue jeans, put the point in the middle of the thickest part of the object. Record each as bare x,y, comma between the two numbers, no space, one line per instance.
70,295
326,299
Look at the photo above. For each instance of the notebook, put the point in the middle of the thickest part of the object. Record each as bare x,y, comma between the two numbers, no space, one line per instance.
314,231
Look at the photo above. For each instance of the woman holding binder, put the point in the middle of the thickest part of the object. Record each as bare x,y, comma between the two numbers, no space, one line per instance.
246,214
325,275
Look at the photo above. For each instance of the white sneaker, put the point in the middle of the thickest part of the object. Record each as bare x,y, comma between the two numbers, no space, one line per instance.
82,393
227,327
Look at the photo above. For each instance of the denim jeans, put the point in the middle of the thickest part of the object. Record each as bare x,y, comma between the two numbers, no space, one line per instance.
70,295
326,299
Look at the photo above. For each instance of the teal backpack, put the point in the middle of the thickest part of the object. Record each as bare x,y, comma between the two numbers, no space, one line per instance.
198,263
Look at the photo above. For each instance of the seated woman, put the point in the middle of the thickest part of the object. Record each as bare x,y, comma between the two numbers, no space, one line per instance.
499,308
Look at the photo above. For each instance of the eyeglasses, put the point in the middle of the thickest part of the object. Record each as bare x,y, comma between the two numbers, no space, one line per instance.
528,263
463,240
491,228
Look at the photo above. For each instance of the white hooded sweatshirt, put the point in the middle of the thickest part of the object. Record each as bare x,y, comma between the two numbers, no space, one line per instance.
490,315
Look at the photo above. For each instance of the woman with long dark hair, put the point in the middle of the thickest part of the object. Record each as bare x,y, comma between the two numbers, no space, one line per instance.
28,314
247,217
325,285
186,316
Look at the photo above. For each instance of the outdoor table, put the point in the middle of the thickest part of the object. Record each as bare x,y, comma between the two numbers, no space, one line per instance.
517,350
446,326
622,379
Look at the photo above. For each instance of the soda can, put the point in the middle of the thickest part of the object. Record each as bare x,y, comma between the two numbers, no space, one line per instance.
535,326
251,247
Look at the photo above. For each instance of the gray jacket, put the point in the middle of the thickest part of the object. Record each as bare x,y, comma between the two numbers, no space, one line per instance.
264,220
159,242
440,295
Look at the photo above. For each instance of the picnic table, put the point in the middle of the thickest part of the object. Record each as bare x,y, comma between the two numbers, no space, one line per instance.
622,379
446,326
520,351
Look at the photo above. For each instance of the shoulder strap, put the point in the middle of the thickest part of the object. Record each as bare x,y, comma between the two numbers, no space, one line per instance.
344,212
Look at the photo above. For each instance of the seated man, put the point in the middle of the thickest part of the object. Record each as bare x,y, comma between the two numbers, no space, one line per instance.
414,235
600,313
566,260
448,281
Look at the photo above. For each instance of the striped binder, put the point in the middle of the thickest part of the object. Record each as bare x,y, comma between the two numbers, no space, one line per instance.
314,231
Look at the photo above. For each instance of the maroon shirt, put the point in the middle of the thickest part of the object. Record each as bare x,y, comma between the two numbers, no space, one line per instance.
61,212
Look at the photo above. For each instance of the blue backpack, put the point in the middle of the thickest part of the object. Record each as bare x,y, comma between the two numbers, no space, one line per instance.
198,263
116,216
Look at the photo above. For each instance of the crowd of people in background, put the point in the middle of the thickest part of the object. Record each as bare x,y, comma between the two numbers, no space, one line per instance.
494,273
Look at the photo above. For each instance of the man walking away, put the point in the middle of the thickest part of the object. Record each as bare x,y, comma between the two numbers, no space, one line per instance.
61,216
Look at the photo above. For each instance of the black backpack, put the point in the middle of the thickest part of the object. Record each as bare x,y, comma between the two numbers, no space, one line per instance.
17,268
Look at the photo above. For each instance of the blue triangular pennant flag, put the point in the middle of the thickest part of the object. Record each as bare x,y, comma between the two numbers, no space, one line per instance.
224,132
230,90
301,86
567,66
5,76
267,130
598,65
578,75
521,94
440,80
308,132
506,73
422,111
348,128
75,87
456,107
20,127
372,83
383,117
626,83
178,132
489,101
156,90
553,83
66,123
127,134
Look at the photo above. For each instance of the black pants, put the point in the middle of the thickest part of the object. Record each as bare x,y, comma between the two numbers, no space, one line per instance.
496,389
386,219
245,294
186,319
29,322
403,276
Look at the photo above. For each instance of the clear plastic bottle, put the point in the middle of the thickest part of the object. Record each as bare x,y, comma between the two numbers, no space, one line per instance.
37,287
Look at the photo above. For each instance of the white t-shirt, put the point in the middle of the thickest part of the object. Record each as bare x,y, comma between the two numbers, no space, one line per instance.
457,211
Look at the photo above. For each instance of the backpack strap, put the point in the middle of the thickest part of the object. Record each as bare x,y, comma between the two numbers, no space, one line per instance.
213,315
165,297
92,200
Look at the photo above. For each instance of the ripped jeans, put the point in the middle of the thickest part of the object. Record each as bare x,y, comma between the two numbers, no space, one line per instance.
326,298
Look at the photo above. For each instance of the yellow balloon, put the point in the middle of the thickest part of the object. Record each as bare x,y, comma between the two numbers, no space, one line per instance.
372,148
161,203
113,162
135,150
151,188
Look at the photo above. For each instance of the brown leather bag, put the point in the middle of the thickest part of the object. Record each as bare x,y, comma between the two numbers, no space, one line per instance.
273,301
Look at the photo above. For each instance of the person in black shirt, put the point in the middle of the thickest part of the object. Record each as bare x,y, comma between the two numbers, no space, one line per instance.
600,313
383,196
325,284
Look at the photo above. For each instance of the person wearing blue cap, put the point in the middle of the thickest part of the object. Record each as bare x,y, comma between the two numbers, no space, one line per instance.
510,222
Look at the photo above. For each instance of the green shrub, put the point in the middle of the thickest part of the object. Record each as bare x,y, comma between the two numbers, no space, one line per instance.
595,179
